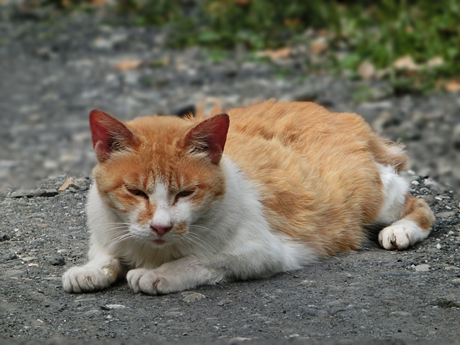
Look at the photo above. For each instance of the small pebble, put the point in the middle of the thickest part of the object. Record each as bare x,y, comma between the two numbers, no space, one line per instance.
4,237
445,214
28,258
305,311
10,256
112,306
422,268
191,297
400,313
223,302
57,261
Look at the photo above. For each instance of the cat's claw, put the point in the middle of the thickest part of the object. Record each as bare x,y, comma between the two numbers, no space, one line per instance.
86,279
400,235
147,281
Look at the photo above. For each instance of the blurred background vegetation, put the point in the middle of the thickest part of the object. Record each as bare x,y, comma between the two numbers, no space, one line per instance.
415,44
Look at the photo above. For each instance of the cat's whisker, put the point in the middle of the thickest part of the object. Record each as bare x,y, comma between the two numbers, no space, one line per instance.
121,238
196,240
199,227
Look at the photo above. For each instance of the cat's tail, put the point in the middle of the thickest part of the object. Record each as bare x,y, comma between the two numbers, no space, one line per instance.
388,153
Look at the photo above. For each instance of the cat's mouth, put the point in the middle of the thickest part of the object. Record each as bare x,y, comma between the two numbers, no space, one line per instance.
159,242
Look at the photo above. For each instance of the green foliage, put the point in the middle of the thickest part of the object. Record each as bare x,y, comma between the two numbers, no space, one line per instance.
356,30
379,31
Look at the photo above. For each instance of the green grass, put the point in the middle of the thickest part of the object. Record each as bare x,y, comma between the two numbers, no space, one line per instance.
356,30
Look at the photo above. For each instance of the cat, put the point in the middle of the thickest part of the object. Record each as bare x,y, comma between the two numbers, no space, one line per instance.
178,203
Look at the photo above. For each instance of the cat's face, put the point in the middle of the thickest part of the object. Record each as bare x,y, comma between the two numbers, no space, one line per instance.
160,175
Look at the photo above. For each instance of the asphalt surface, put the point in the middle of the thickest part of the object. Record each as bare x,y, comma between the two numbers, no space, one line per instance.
369,294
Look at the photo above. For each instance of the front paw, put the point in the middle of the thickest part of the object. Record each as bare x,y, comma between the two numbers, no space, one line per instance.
150,282
86,279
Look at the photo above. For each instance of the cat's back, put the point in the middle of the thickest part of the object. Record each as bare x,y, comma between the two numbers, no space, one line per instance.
296,134
297,125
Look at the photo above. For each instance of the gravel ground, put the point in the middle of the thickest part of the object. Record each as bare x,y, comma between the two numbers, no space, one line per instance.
53,74
371,293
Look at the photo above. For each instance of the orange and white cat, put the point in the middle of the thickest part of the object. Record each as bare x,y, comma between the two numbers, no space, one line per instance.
179,203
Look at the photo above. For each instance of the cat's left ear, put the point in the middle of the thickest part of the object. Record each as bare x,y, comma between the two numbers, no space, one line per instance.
108,134
209,137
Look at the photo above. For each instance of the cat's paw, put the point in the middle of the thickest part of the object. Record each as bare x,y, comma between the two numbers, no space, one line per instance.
150,282
400,235
86,279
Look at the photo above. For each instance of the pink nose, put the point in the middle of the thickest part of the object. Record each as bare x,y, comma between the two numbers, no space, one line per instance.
160,230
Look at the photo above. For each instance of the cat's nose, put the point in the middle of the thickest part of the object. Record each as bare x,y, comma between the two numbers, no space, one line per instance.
160,230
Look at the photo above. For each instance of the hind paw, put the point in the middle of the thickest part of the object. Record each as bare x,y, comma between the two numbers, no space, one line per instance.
401,235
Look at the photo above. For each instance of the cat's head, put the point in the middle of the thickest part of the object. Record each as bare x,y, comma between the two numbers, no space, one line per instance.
159,174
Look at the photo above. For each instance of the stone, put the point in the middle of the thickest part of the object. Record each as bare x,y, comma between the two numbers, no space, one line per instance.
422,268
224,302
306,311
14,273
430,199
446,214
33,193
57,261
112,306
29,258
10,256
191,297
400,313
4,237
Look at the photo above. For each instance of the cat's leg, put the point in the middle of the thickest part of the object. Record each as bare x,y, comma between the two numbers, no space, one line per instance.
414,227
411,219
178,275
99,273
251,259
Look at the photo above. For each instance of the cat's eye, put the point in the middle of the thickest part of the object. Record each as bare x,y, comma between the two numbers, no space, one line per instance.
138,192
184,194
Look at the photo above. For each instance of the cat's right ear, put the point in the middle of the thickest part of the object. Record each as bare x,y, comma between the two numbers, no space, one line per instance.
108,134
209,137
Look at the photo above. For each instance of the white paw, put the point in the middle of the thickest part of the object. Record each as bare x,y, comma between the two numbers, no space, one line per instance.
150,282
85,279
401,235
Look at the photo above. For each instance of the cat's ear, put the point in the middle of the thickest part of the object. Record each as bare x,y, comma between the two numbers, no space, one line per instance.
109,134
209,137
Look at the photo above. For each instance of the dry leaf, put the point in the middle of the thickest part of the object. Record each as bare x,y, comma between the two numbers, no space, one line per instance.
127,65
322,33
453,86
292,23
66,184
241,2
275,55
435,62
406,63
318,46
100,3
366,70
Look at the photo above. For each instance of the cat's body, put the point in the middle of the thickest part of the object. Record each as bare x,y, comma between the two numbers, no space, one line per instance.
295,183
